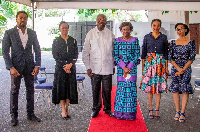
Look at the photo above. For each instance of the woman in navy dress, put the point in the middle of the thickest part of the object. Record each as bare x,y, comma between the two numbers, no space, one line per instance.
182,54
126,54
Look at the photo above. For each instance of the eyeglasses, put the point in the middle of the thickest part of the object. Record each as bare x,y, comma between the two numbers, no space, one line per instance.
179,29
104,19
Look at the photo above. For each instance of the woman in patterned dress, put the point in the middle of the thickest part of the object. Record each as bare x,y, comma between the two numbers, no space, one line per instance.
126,54
181,55
154,66
65,53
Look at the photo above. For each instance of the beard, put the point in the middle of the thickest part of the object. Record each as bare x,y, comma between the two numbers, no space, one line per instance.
22,24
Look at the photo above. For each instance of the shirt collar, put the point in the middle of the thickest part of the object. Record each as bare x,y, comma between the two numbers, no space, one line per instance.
150,34
100,31
21,30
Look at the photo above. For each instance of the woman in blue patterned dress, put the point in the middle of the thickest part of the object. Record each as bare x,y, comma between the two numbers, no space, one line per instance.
126,54
182,54
154,66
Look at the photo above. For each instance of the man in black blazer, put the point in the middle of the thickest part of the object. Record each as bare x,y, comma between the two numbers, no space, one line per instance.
20,62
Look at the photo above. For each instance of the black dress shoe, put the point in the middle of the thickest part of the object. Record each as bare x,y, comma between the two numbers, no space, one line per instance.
33,118
68,116
14,122
110,113
95,113
64,118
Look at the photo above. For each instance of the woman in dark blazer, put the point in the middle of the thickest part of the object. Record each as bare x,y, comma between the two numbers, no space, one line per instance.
65,53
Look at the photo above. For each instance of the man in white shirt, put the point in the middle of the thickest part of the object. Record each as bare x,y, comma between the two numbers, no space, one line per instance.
99,62
21,63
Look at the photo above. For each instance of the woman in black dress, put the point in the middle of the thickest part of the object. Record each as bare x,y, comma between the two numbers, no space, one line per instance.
65,53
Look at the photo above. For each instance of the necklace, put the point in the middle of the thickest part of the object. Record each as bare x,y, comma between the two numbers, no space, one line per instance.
126,38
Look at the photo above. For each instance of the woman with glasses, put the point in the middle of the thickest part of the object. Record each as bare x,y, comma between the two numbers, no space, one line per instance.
181,55
154,66
126,54
65,53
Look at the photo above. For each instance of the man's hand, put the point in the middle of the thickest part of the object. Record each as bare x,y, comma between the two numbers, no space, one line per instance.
14,72
89,72
35,71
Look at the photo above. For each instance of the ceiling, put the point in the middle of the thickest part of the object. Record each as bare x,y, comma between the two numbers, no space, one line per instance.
163,5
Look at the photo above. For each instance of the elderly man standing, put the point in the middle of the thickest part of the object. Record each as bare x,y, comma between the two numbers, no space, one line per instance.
20,62
99,62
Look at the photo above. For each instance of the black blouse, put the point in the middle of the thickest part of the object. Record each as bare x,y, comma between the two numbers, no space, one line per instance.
152,45
65,52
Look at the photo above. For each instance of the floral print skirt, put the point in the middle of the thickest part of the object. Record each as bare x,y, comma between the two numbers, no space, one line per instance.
155,78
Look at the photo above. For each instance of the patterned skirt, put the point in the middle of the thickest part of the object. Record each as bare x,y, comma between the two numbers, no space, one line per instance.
125,106
155,79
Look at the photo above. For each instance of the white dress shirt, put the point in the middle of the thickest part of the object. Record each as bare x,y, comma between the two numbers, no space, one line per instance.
23,37
98,51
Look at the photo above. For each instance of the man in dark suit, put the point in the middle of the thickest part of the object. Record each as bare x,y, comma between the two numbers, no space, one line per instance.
20,62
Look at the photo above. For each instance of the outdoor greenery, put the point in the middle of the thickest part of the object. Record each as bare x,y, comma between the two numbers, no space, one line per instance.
46,49
8,11
50,13
117,14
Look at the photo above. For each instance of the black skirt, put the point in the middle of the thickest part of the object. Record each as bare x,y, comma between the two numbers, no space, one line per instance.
64,85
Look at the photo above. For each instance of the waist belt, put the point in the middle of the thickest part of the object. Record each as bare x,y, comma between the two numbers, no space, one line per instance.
181,58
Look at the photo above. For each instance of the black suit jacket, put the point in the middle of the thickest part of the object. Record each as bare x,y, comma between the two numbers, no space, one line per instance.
19,58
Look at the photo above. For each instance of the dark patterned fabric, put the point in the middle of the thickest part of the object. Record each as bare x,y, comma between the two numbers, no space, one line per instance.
181,54
126,53
152,45
65,85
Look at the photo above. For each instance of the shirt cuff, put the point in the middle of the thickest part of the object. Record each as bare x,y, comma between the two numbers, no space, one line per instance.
122,64
130,65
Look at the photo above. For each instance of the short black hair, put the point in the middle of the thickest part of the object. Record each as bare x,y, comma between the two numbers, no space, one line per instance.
156,20
185,26
21,12
123,24
62,23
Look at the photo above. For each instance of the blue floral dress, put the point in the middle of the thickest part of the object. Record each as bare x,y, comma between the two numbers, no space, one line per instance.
181,54
126,54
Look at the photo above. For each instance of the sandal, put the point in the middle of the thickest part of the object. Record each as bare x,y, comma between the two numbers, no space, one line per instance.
157,117
177,118
180,119
151,116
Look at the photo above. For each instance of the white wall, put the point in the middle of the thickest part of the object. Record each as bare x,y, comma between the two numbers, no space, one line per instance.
140,29
173,17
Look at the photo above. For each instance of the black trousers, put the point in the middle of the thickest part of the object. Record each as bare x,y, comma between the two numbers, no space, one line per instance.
106,81
14,93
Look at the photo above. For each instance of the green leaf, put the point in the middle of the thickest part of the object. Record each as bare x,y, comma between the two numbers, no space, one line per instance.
3,20
195,11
